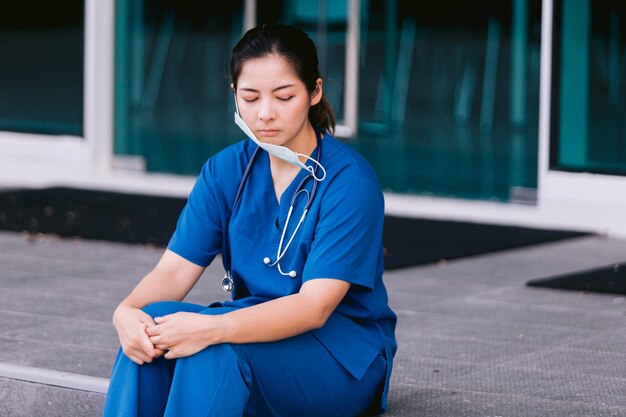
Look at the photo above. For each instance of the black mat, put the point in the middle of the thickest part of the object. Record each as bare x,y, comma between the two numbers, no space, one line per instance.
151,220
91,214
419,241
610,279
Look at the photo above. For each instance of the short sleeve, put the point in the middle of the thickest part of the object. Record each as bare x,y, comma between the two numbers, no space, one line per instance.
198,235
347,242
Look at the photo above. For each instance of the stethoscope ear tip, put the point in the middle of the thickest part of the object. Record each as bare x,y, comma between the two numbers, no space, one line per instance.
266,260
292,274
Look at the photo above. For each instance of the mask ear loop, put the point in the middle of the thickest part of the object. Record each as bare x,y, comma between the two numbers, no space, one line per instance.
312,170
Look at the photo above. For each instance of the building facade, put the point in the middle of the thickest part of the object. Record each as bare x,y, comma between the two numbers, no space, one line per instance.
500,111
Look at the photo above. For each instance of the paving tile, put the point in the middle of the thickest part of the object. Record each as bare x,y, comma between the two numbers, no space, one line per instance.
24,399
574,361
543,384
37,265
555,297
427,372
424,323
405,300
59,356
607,341
70,249
522,264
52,329
489,329
418,282
464,349
60,284
454,403
502,310
411,400
58,305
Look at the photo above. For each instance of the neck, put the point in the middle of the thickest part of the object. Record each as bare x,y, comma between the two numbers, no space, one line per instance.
304,143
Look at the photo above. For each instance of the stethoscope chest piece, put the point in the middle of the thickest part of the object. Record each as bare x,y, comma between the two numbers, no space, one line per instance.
227,283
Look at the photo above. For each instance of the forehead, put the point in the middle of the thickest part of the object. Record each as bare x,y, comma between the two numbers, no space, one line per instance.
267,71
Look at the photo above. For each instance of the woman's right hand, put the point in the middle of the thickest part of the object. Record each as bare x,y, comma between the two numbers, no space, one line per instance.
131,324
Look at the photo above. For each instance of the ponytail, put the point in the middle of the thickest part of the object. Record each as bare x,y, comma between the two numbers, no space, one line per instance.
322,115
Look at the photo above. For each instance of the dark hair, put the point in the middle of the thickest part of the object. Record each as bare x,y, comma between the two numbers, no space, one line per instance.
298,49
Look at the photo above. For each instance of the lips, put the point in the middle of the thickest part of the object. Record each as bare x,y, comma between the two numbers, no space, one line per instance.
268,132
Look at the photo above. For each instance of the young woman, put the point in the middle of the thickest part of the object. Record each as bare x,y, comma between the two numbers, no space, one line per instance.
298,218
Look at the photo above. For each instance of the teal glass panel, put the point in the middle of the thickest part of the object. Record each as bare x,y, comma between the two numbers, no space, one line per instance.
41,67
589,87
448,91
173,103
449,97
326,22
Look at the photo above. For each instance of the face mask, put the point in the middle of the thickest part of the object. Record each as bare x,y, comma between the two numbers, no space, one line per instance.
278,151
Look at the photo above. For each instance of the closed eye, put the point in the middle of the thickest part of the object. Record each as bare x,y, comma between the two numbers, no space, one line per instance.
285,98
250,100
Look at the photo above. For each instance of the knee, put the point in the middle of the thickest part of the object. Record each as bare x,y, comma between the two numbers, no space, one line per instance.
159,308
216,354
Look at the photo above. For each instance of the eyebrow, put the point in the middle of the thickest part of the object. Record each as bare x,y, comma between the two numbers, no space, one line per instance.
282,87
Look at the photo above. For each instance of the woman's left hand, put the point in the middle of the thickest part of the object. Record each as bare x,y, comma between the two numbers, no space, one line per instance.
183,334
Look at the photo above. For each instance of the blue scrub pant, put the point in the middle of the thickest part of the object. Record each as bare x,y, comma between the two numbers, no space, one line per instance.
294,377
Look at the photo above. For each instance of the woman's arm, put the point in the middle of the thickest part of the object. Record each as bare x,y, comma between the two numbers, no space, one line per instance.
184,334
286,316
171,279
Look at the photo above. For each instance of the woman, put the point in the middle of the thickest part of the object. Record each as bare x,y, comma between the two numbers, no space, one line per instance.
309,331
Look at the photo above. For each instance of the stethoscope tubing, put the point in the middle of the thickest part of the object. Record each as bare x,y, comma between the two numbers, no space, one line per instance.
227,282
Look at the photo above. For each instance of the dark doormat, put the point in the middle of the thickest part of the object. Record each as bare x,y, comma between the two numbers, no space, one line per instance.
610,279
143,219
420,241
91,214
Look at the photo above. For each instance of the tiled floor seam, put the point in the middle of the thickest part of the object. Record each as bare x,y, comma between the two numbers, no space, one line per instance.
54,378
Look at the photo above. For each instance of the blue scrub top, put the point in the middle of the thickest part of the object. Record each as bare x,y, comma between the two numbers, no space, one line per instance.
340,238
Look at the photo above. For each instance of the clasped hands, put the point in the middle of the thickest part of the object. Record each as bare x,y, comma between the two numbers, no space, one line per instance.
172,336
179,334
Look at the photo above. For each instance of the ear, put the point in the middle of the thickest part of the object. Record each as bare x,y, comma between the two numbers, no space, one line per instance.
316,95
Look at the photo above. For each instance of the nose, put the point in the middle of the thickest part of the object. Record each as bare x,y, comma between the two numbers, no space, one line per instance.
266,111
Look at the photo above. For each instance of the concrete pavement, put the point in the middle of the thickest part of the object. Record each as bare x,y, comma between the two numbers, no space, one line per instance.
474,341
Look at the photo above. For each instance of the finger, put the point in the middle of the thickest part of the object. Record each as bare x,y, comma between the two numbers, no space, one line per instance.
159,320
146,345
137,356
147,321
136,360
152,330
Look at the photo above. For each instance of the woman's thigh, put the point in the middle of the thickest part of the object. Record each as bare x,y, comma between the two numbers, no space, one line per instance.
299,377
295,376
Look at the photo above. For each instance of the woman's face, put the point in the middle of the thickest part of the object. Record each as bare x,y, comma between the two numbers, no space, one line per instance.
274,102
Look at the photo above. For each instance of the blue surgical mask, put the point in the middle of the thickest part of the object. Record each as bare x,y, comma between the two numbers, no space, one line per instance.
278,151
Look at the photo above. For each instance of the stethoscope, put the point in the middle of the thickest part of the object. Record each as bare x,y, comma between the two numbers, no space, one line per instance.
227,283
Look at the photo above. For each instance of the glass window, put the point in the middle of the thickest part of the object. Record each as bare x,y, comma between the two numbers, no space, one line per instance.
173,103
326,22
449,96
589,87
448,92
41,67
